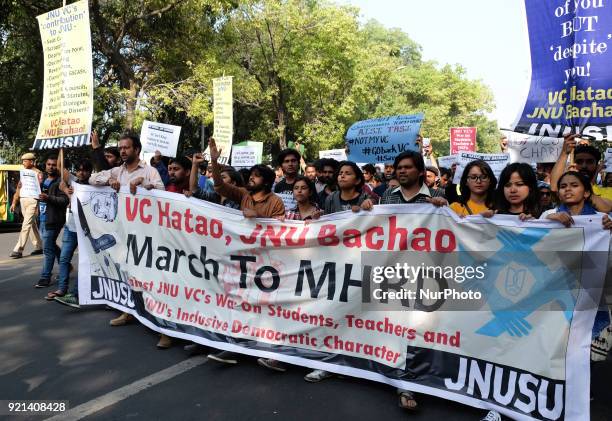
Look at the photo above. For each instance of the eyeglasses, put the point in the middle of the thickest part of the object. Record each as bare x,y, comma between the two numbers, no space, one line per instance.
482,177
544,193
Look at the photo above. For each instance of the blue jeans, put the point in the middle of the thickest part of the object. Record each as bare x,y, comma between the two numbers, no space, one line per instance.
69,245
602,321
50,250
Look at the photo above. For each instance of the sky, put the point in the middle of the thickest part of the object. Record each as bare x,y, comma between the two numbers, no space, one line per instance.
487,37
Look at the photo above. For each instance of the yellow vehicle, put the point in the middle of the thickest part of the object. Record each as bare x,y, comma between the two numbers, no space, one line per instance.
9,175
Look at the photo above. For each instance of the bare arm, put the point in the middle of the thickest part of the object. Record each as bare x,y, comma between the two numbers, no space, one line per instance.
569,143
227,190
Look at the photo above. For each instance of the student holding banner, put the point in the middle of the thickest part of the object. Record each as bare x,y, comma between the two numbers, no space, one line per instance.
517,192
477,188
133,172
29,226
409,168
586,159
575,193
256,201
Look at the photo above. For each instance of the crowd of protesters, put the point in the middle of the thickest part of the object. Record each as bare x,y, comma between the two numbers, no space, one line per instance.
299,190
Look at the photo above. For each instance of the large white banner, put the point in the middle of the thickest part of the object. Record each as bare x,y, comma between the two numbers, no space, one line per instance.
311,294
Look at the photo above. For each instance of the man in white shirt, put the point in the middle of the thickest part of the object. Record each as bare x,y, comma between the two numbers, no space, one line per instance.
132,172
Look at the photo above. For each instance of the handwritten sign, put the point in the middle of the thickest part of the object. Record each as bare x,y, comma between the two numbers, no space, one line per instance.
533,149
382,139
608,159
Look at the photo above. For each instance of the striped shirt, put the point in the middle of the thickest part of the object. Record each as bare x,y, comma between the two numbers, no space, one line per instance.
396,197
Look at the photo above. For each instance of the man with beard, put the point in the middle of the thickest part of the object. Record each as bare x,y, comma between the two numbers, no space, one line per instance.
52,215
133,172
179,171
409,168
289,161
256,201
327,171
310,171
586,161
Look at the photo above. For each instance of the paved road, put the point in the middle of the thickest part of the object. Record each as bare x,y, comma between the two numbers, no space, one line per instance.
48,351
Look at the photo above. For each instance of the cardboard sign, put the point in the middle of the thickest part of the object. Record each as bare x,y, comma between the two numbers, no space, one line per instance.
244,156
160,137
462,139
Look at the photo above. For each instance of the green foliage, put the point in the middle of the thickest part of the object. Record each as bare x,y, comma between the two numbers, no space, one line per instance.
304,70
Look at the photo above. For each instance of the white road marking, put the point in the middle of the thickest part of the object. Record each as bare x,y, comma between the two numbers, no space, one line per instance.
111,398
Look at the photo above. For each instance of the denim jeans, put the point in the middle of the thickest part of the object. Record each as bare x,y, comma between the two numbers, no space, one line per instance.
69,245
50,250
602,321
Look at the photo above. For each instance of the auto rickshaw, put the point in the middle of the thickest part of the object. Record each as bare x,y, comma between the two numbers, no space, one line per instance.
9,176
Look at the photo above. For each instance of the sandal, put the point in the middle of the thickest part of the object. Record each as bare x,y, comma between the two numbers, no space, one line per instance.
407,401
51,296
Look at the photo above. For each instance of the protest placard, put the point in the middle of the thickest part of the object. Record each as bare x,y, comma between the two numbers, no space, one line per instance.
257,146
337,154
244,156
382,139
67,107
160,137
533,149
446,161
497,162
30,184
223,115
570,69
462,139
608,159
311,294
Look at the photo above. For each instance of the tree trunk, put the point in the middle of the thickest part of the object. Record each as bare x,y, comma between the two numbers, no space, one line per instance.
130,105
281,116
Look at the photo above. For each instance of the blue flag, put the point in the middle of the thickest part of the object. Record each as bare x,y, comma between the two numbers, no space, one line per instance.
571,77
380,140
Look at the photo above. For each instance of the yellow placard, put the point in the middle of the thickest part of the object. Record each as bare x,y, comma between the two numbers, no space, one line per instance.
67,108
223,117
